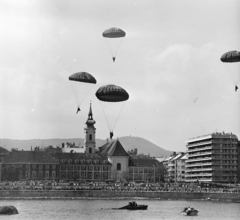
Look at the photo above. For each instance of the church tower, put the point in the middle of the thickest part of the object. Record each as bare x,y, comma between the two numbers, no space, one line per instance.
89,142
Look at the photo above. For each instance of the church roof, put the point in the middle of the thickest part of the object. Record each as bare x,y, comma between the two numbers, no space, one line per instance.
26,157
79,156
113,148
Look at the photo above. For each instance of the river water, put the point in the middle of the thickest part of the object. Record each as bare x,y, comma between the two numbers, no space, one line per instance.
102,209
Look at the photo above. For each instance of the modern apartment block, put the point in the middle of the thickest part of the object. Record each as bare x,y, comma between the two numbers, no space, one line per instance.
212,158
176,168
180,168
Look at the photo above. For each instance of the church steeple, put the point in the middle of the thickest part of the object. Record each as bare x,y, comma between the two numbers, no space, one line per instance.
89,142
90,121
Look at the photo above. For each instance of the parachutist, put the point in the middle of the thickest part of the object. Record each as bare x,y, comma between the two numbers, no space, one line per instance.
111,135
236,88
78,109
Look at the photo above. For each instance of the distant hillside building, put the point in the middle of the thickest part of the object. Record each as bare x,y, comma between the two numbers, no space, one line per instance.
212,158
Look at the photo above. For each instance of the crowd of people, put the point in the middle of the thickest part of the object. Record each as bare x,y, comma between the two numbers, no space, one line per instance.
161,187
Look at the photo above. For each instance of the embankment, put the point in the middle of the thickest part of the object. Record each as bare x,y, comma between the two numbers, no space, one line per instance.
102,194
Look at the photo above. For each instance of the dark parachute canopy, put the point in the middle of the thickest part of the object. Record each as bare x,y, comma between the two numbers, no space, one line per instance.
83,77
231,59
114,33
112,99
113,37
112,93
82,83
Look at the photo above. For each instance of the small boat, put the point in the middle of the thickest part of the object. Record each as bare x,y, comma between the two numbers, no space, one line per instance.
189,212
134,206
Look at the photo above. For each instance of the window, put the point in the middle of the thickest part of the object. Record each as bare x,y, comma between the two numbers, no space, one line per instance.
118,166
83,167
54,174
97,168
34,166
90,137
63,175
63,167
33,174
70,167
89,175
105,168
69,175
47,174
76,174
96,175
47,166
90,150
40,174
76,167
40,167
53,167
83,175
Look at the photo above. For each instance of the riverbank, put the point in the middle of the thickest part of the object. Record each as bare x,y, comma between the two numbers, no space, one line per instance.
105,194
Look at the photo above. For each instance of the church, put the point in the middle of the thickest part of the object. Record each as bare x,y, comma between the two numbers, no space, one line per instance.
110,162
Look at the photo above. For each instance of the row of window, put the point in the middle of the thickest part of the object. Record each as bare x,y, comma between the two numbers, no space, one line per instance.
141,170
41,174
84,175
97,168
82,161
42,166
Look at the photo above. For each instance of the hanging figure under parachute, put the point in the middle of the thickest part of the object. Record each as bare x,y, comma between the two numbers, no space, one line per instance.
78,110
82,83
231,60
113,37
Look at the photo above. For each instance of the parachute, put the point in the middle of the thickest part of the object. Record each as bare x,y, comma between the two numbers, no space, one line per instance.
113,37
112,99
82,83
231,60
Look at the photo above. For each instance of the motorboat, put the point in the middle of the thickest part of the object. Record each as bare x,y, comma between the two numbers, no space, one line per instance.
134,206
189,211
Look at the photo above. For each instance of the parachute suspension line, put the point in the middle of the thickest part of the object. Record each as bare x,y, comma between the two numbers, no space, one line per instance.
113,46
75,95
117,48
106,41
105,116
120,112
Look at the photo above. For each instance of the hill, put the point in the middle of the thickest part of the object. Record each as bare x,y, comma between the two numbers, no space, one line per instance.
144,146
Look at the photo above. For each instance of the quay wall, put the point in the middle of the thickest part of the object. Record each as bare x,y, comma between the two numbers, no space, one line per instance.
101,194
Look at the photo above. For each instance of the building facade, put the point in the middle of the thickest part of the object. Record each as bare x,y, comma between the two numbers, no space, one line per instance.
212,158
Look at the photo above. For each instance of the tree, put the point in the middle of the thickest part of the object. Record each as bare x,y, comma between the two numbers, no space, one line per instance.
114,175
125,176
11,172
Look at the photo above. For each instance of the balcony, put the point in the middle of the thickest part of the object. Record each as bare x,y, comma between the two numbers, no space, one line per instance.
199,149
198,164
199,179
200,154
198,175
199,143
199,159
198,169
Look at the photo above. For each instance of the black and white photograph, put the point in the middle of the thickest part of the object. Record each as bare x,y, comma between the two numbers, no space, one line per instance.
120,109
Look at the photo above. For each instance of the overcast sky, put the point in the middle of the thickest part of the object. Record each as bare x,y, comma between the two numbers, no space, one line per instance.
169,63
